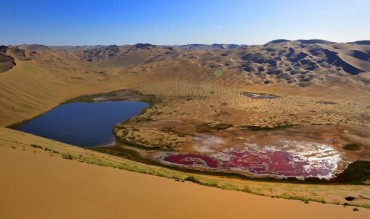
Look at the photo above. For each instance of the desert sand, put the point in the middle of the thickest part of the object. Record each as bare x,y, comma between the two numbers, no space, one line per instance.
40,186
36,182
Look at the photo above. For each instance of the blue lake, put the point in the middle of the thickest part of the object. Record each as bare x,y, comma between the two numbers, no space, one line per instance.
83,124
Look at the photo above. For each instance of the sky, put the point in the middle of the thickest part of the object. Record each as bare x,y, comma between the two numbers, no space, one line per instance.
175,22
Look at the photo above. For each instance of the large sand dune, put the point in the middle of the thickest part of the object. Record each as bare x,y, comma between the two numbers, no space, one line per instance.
45,187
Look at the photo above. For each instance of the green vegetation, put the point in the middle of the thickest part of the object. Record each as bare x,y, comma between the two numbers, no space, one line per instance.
351,147
293,197
67,156
355,172
44,148
327,102
84,98
90,97
36,146
52,151
265,128
191,179
145,115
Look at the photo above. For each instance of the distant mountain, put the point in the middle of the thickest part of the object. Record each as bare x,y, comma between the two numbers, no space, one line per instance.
3,48
143,45
214,46
362,42
279,41
315,41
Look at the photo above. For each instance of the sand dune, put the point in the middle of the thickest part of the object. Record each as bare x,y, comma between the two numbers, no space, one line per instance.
6,62
303,74
48,187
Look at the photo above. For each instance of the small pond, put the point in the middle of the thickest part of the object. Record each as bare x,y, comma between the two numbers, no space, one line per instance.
83,124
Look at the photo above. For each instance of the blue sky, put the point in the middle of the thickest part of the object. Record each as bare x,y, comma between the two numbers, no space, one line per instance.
169,22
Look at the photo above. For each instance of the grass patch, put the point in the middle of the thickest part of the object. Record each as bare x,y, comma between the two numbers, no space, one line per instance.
67,156
191,179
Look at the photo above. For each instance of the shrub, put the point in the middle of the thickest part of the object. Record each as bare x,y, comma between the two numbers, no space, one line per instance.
36,146
67,156
351,147
191,179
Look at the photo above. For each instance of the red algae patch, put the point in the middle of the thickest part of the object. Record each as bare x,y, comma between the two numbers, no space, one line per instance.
278,163
293,159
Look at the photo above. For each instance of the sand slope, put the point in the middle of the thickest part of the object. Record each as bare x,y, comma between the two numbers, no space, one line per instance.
17,146
47,187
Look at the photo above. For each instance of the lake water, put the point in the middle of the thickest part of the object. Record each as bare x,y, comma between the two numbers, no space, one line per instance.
83,124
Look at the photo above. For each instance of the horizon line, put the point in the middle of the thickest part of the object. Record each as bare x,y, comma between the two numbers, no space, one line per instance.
206,44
